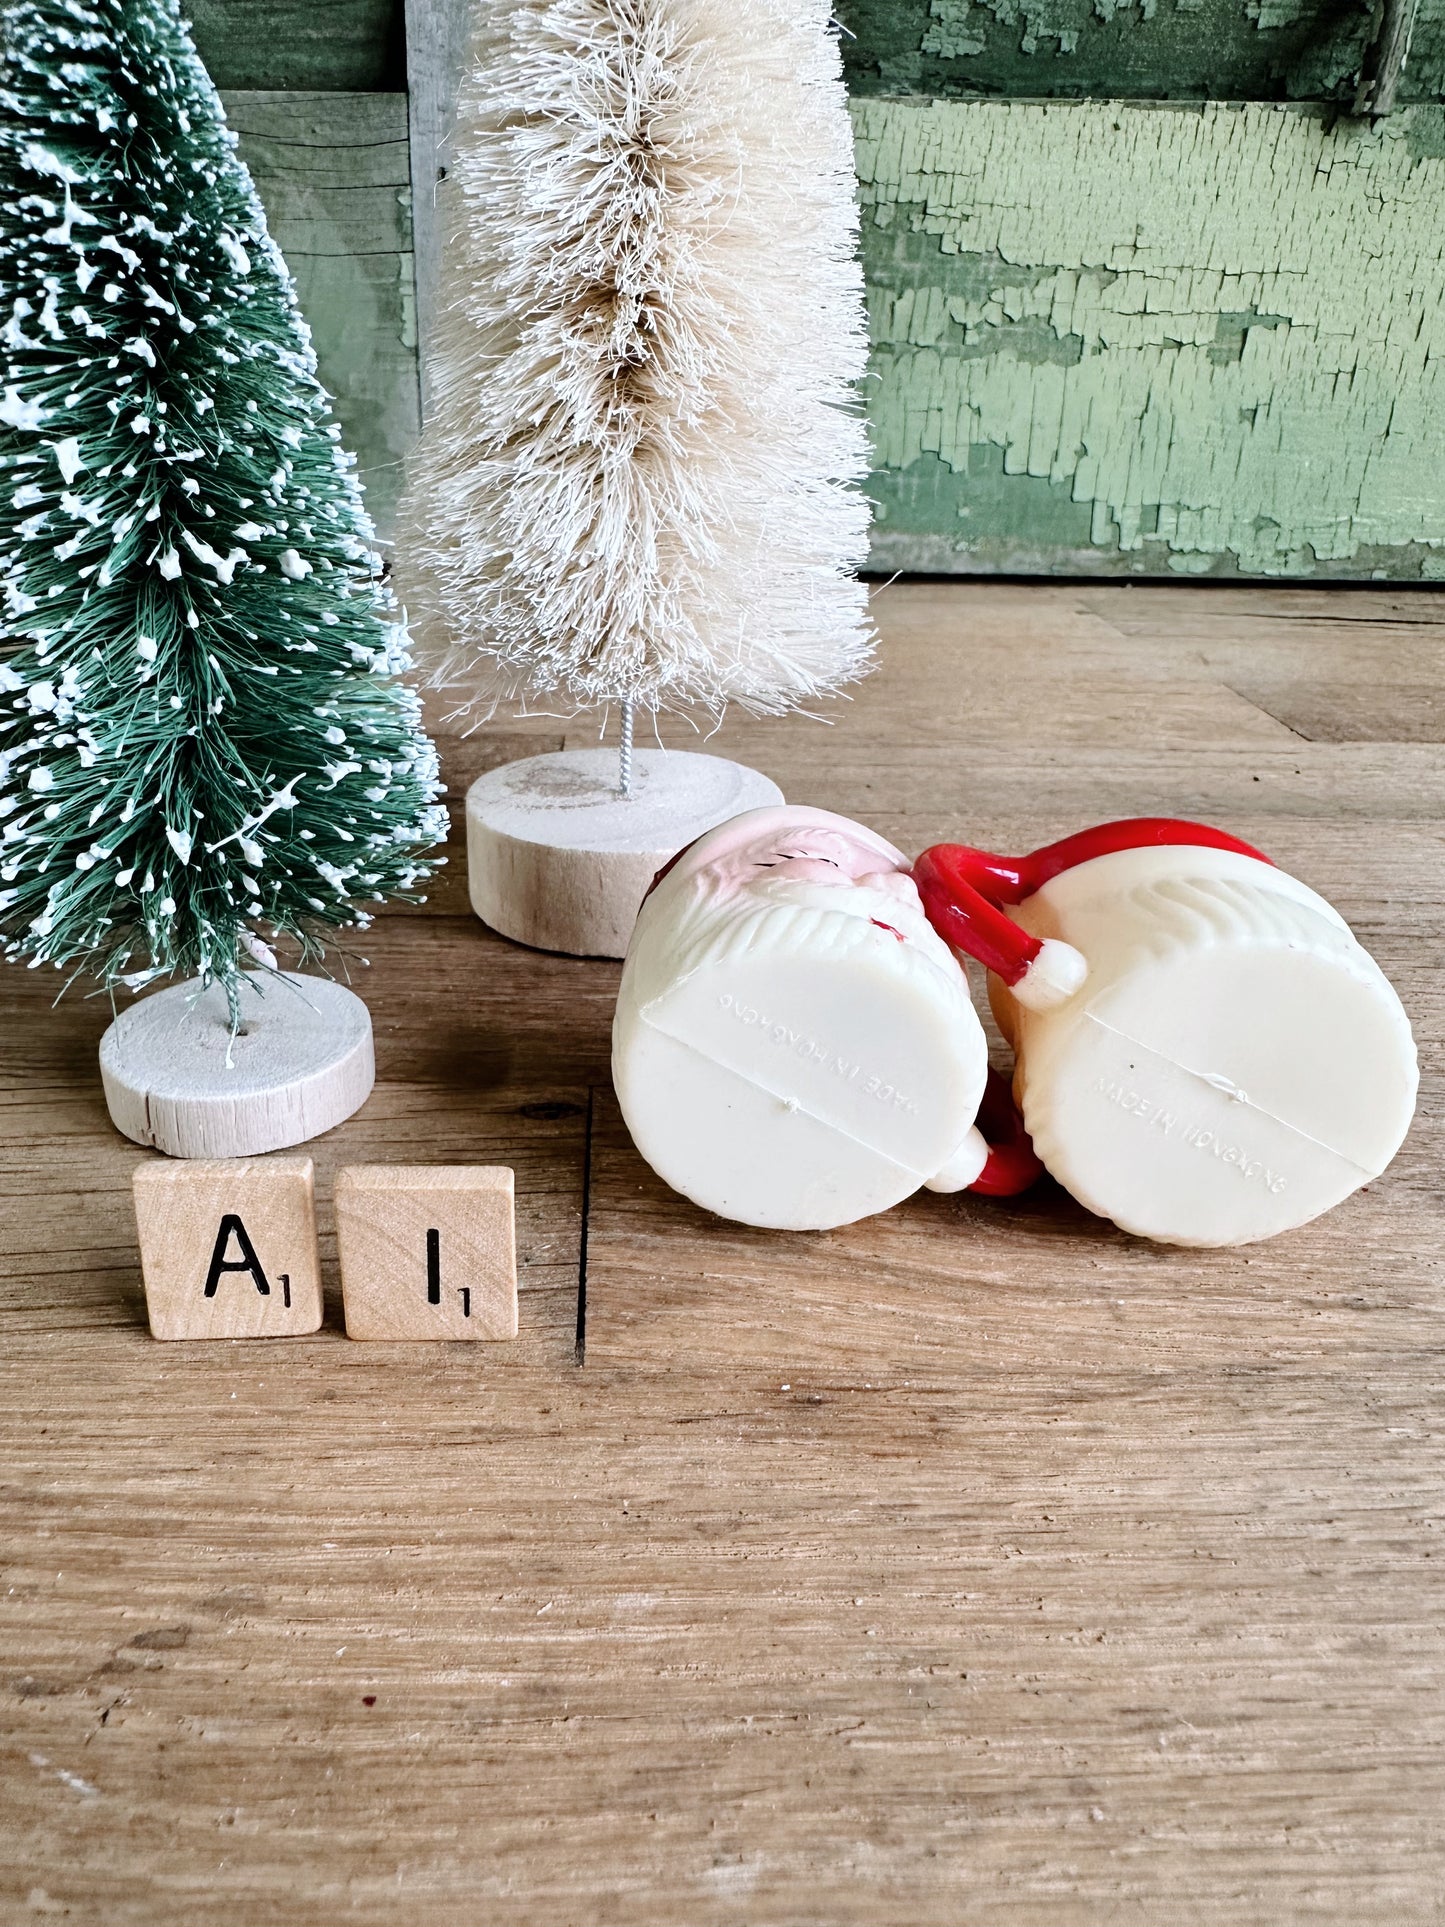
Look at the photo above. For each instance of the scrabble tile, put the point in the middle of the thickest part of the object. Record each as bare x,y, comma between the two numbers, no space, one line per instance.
427,1251
228,1247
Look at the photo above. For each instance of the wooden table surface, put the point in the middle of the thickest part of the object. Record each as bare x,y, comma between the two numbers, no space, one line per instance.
975,1563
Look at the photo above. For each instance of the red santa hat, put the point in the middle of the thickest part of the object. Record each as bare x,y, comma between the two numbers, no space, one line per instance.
962,890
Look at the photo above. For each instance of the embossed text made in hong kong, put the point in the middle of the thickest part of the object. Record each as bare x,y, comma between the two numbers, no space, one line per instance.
799,1044
1197,1137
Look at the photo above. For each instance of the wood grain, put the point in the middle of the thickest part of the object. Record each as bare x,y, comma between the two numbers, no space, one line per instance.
348,46
178,1078
427,1251
436,35
974,1564
1096,349
333,173
557,857
228,1247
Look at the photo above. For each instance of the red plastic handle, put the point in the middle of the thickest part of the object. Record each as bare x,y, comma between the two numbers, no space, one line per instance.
1012,1163
962,887
964,917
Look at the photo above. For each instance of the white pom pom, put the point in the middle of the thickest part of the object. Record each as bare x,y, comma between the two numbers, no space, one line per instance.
1056,974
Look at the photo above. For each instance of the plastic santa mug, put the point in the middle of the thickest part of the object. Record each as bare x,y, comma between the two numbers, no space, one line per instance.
1205,1053
793,1045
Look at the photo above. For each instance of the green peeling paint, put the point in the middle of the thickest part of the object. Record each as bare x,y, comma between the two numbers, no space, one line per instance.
1140,339
1127,49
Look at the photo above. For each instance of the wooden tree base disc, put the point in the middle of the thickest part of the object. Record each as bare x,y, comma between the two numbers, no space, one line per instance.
559,859
175,1078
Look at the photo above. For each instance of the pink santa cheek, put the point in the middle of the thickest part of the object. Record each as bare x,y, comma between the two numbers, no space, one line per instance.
805,869
898,882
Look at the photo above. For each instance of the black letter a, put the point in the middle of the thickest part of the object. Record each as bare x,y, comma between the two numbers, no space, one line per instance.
248,1261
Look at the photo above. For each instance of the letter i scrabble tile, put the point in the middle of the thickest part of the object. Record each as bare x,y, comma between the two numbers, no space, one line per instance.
427,1251
228,1247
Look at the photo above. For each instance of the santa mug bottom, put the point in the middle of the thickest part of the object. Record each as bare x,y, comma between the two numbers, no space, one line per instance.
559,858
178,1079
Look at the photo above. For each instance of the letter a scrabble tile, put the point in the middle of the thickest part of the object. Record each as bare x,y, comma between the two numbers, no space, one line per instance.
228,1247
427,1250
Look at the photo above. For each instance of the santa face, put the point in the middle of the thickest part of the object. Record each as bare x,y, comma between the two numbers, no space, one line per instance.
809,858
794,1046
792,859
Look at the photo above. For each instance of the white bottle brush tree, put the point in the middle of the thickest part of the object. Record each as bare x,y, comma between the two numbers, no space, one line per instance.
638,483
204,747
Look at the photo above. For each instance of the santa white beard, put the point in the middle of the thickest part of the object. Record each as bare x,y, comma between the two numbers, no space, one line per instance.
795,1054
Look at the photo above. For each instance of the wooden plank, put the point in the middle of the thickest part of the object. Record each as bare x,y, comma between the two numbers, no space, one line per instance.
333,174
1057,1645
1098,348
942,1285
345,46
994,1568
436,33
1343,712
1212,49
1292,629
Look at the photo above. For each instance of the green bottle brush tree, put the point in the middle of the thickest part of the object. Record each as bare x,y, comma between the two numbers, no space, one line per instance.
205,746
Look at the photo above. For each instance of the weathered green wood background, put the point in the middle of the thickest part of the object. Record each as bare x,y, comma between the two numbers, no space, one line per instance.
333,170
1127,49
1144,298
1193,340
332,46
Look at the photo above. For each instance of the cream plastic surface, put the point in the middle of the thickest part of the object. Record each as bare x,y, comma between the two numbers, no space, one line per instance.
793,1046
1236,1062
